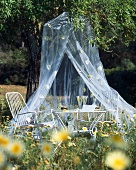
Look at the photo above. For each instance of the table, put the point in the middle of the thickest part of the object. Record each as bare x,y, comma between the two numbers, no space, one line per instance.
75,114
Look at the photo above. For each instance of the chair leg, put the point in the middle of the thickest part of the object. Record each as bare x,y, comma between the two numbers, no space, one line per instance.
11,131
94,123
57,147
37,135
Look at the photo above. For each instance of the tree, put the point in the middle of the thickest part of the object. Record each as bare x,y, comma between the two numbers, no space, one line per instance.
22,20
112,22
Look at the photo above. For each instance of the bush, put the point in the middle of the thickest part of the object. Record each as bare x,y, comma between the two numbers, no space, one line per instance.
124,82
4,110
14,67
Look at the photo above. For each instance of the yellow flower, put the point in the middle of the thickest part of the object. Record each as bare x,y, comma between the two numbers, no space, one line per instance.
61,135
90,76
46,162
123,111
84,89
79,98
47,149
117,160
77,160
71,144
33,145
104,135
2,159
114,121
84,128
134,115
117,141
4,141
16,148
95,132
69,137
128,117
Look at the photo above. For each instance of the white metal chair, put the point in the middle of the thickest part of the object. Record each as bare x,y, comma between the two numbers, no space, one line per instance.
23,118
90,116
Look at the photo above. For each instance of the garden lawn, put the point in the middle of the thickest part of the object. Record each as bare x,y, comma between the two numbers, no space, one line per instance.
9,88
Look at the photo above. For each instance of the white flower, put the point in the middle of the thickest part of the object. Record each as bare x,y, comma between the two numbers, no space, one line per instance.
63,37
41,97
47,87
87,62
48,66
28,119
16,148
47,148
61,135
132,120
49,25
2,158
117,160
81,51
54,73
99,68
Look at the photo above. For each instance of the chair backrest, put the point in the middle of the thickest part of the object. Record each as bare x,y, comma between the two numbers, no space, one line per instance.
16,103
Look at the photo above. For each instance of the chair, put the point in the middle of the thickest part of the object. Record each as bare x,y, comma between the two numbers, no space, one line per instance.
90,116
87,109
23,118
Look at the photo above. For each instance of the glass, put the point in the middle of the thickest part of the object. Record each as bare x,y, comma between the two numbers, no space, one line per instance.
84,99
80,101
94,100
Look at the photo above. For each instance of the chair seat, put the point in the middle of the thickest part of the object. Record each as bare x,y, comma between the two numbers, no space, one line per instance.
30,126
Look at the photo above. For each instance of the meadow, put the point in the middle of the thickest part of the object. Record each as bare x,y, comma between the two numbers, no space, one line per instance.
109,148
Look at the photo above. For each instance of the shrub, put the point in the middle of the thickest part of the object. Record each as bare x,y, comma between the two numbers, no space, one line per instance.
14,66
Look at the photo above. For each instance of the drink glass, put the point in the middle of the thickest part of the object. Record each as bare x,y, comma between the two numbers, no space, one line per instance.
84,99
80,101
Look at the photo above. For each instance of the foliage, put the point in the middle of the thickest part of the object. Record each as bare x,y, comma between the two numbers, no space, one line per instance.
113,24
78,152
111,21
21,24
14,67
124,82
122,78
4,110
18,16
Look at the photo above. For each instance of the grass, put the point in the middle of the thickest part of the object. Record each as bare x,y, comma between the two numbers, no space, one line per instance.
9,88
112,149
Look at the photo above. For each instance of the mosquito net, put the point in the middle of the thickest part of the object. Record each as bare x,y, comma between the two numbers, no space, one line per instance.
70,67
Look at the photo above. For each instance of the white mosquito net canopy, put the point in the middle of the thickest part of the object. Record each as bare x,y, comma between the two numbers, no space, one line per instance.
70,67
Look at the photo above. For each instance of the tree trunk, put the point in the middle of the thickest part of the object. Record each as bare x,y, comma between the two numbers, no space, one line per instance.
34,52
